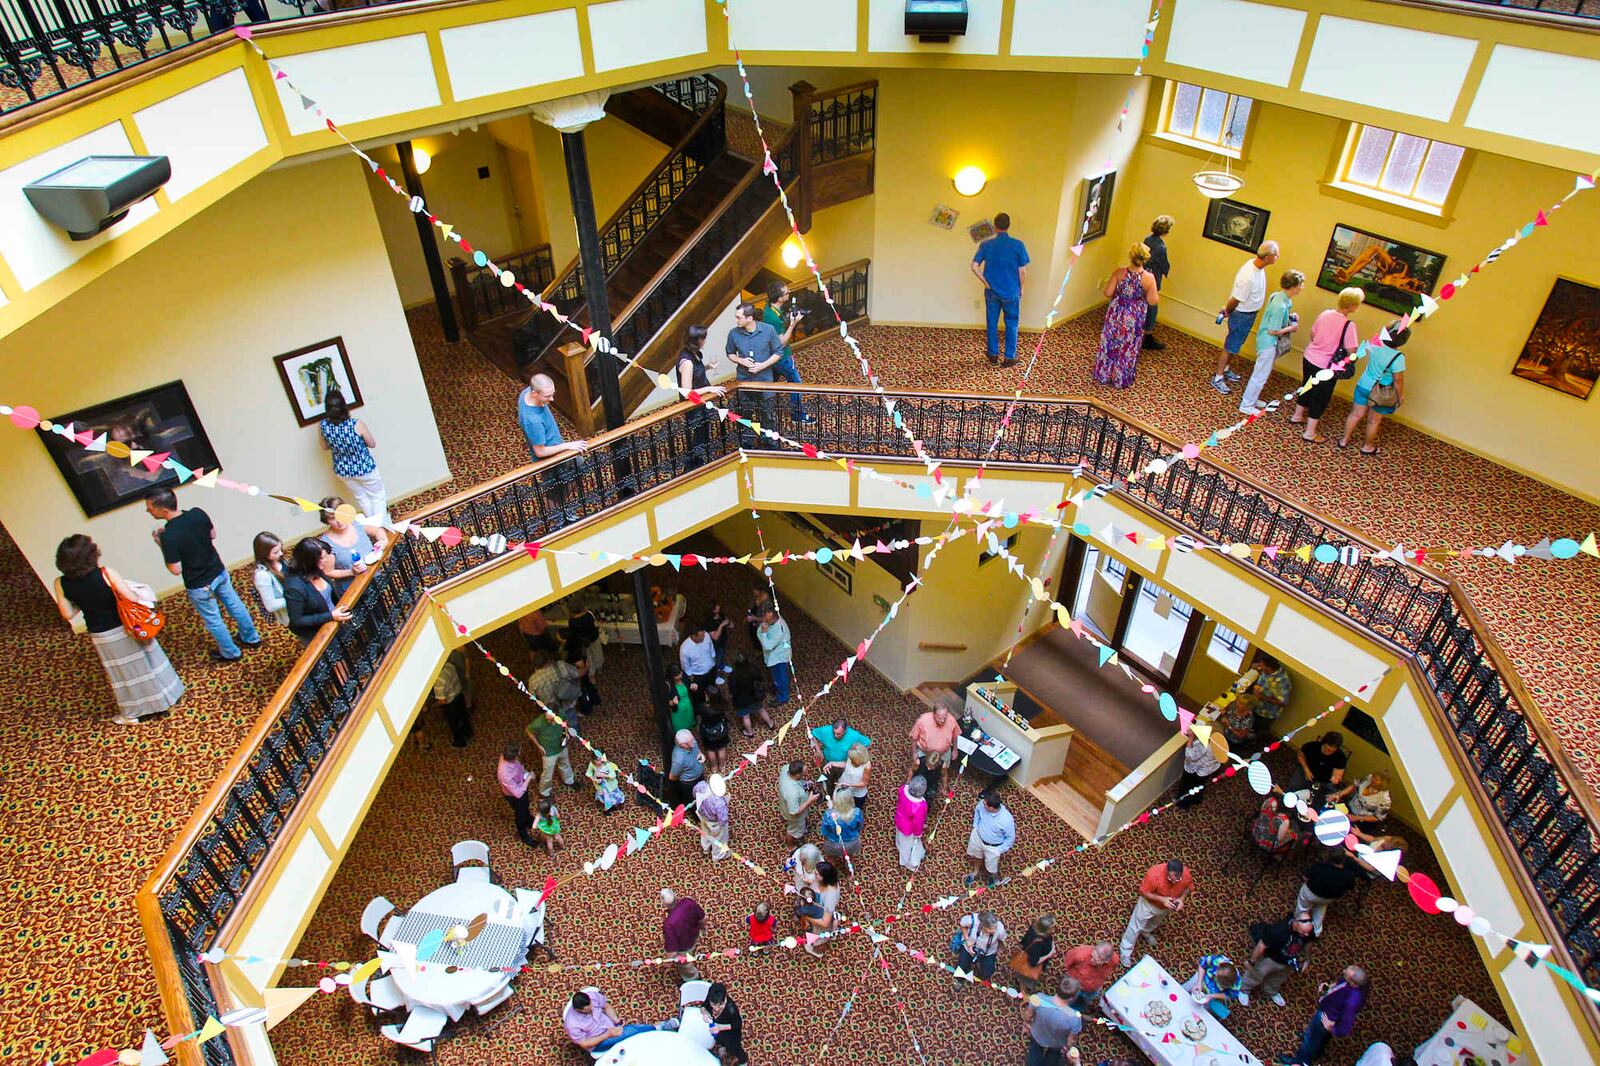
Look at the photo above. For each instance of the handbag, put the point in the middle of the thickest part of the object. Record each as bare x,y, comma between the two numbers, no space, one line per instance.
142,620
1381,395
1344,367
1021,966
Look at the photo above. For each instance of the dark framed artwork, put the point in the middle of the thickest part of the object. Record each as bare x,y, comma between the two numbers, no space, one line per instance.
1237,225
1563,349
1392,273
1094,206
308,373
161,419
981,230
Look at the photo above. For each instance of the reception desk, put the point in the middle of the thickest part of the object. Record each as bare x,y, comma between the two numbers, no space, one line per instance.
1041,749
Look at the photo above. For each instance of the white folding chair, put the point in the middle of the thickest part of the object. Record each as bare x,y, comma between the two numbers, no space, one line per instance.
381,993
374,914
470,851
532,916
693,992
493,999
422,1027
591,990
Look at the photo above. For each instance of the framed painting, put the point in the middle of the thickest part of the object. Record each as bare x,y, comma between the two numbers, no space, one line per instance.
161,419
981,230
1094,206
308,373
1392,273
1563,350
1237,225
944,217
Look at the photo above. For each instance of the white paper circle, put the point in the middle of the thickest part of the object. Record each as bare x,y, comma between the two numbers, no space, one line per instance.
1291,800
1332,827
1260,778
1479,926
608,857
1446,904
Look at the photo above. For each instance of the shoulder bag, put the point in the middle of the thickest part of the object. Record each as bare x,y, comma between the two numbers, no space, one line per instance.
1344,367
143,621
1381,395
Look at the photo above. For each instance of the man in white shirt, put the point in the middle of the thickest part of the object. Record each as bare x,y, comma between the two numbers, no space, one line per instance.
698,657
1249,293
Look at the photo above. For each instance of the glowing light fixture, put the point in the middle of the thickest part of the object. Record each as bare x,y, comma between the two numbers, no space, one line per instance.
1215,184
792,253
970,181
422,159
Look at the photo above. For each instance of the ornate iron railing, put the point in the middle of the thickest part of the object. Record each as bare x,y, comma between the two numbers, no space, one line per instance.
1547,821
1570,12
48,46
848,287
844,123
479,294
627,229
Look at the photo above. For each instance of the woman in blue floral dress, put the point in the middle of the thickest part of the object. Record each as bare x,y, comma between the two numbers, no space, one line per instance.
1133,292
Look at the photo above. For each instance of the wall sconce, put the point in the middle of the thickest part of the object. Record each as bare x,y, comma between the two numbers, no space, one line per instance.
792,255
422,159
970,181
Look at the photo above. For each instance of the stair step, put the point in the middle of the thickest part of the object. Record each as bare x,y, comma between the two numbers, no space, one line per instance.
1089,768
1080,812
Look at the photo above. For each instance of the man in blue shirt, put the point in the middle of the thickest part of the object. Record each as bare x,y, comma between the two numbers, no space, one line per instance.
754,348
1001,263
544,436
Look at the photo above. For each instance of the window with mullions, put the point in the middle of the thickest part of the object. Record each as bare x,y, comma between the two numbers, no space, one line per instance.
1400,168
1207,118
1227,647
1112,570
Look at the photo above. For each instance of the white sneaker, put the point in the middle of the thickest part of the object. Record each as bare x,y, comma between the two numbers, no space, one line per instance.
1220,385
1278,1000
1244,999
1231,375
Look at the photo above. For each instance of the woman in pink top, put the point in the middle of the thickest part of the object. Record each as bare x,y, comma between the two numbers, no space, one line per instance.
910,816
1332,329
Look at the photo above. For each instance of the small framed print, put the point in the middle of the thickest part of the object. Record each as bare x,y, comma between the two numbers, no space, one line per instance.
944,217
981,231
309,373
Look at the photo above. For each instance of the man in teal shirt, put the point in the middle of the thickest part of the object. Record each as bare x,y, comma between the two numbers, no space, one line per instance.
774,316
832,743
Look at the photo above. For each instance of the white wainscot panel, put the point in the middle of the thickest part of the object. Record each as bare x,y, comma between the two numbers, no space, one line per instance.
413,677
203,130
1412,743
33,248
1426,84
627,33
771,25
516,586
1097,513
496,57
1200,581
1540,999
1247,40
801,486
357,778
1018,496
700,504
886,29
356,82
1474,876
872,493
1101,29
273,929
624,538
1540,96
1321,648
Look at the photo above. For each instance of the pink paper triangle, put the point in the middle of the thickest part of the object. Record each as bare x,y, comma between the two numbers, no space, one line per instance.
1185,719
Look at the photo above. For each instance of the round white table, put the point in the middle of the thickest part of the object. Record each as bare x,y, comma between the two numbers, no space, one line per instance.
658,1048
430,984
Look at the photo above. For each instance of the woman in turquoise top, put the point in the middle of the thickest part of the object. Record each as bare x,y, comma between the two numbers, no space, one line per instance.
1385,366
841,826
1278,323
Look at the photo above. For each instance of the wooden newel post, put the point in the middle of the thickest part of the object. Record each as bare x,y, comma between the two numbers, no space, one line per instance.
803,93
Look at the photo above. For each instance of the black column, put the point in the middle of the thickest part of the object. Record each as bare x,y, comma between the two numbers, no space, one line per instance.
594,290
430,246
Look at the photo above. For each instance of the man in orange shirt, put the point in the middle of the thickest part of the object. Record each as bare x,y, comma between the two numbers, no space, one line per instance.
1092,965
933,739
1164,890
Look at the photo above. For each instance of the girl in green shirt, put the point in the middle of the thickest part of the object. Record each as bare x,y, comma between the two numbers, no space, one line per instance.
681,699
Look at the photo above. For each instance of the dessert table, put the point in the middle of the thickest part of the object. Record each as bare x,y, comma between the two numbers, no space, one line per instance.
1470,1031
658,1047
1166,1024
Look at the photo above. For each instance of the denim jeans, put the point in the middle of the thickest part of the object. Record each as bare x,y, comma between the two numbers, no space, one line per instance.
993,304
1039,1055
1313,1042
210,601
785,370
781,675
627,1031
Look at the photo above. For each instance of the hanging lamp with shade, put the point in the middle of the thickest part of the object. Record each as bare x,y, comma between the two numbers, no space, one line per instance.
1216,184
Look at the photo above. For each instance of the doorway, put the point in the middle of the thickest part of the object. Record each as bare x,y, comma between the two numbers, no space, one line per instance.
1145,623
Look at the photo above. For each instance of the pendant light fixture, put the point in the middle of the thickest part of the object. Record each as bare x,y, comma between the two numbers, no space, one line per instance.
1215,184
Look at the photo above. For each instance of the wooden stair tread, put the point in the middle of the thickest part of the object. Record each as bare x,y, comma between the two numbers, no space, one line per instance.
1080,812
1090,768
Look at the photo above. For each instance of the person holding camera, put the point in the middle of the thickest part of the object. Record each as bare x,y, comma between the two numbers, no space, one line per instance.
1280,950
796,797
784,317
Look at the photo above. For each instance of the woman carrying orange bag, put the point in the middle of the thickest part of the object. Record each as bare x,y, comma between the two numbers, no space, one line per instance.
142,680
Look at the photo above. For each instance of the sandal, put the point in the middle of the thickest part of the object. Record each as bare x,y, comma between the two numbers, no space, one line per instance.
122,719
1341,445
1373,452
1313,440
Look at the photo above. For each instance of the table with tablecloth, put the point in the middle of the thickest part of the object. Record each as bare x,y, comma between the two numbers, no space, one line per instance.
450,978
1470,1030
626,629
658,1047
1129,1000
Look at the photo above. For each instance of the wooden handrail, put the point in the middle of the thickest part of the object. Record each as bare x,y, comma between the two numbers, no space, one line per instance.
853,87
924,645
651,178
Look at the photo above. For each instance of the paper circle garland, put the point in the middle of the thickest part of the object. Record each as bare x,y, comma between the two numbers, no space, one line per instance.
1260,778
1331,827
1424,893
1169,706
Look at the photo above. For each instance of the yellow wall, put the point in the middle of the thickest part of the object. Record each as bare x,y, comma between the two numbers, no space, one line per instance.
1458,380
839,234
1036,136
480,208
620,157
241,284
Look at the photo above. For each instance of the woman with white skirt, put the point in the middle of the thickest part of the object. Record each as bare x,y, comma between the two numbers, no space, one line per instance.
142,680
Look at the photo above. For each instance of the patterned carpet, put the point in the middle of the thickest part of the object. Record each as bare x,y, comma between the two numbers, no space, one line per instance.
82,831
790,1002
